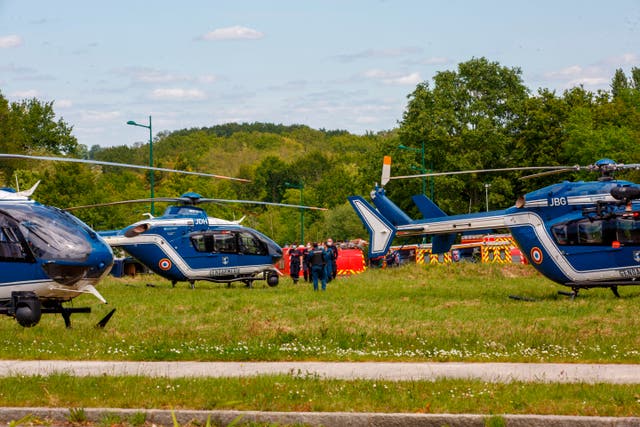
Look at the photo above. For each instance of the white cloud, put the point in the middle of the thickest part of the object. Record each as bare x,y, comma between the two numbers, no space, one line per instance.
152,76
379,54
566,73
64,103
407,80
178,94
624,59
389,78
100,116
575,75
233,33
207,78
10,41
25,94
436,60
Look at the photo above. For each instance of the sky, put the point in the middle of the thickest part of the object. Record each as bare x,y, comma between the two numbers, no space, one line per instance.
329,64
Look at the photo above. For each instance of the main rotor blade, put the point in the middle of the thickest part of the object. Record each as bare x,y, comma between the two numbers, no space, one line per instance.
481,171
551,172
188,201
122,165
125,202
255,202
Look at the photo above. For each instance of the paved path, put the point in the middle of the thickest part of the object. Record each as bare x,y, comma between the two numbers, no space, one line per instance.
490,372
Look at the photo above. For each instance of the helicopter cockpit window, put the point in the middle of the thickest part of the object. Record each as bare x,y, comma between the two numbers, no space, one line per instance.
588,231
223,241
202,242
251,245
628,231
560,232
10,247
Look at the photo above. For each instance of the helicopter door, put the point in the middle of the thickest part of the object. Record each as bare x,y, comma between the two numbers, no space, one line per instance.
219,249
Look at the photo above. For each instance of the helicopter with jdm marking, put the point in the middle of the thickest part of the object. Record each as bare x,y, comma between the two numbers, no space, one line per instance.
48,256
185,244
579,234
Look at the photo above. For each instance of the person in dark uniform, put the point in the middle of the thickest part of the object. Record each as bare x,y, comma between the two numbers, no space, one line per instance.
294,263
332,268
316,259
306,269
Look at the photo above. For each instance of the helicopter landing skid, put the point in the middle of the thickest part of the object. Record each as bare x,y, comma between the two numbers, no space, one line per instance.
66,313
575,287
572,294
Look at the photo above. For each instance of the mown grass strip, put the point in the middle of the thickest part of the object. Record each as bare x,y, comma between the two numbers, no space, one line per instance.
308,393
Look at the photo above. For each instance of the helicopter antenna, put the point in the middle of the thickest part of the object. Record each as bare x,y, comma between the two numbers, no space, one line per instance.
29,192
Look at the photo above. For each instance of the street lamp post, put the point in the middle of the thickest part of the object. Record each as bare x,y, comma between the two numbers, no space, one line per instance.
486,195
300,187
422,168
151,174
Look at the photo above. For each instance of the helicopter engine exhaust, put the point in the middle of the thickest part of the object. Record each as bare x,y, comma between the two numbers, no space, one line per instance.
625,193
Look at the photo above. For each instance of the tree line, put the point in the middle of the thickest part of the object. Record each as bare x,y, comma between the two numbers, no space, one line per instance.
478,116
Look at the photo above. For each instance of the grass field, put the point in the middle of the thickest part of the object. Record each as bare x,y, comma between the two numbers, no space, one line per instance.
437,313
440,313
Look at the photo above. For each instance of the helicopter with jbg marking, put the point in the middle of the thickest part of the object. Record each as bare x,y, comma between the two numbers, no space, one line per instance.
579,234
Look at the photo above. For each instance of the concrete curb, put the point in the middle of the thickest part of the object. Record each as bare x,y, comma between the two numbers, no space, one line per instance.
58,416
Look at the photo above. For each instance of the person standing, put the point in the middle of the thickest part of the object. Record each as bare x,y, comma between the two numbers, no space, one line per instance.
306,270
294,263
333,260
316,259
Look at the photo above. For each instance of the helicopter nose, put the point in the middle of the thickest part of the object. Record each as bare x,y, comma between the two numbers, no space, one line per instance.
101,259
95,265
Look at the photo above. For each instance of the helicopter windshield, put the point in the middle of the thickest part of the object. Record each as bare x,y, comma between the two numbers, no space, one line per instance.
51,233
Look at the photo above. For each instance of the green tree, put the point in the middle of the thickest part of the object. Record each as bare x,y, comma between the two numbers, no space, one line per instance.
635,77
467,121
40,131
270,178
619,83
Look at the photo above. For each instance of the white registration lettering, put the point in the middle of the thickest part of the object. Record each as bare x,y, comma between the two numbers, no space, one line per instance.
558,201
231,271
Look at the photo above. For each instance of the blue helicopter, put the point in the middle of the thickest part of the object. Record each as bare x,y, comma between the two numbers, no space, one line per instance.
578,234
185,244
47,258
